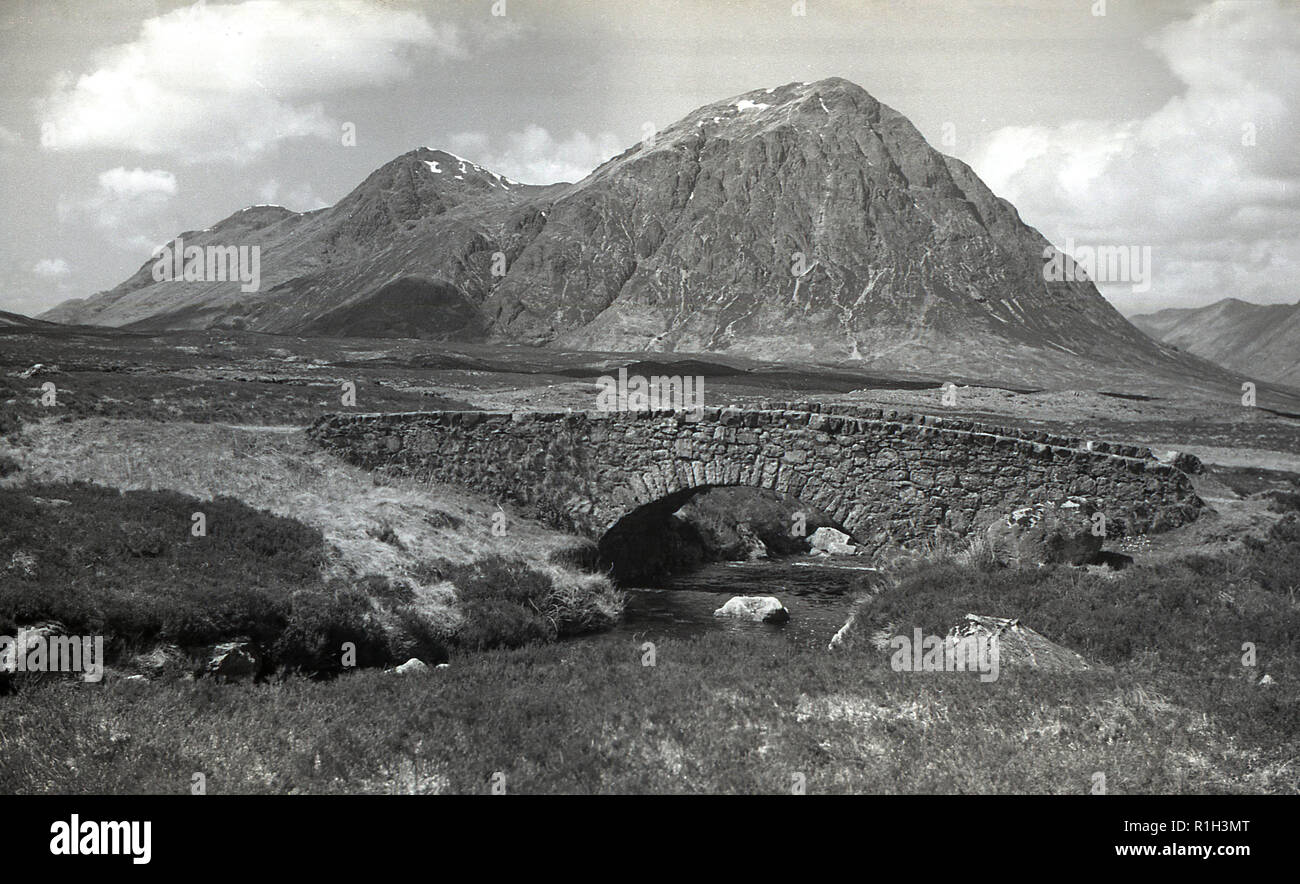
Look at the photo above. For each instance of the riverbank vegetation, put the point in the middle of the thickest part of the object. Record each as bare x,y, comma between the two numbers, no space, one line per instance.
1172,707
259,537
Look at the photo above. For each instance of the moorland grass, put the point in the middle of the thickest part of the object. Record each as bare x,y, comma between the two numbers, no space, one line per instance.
127,565
719,713
1174,711
372,524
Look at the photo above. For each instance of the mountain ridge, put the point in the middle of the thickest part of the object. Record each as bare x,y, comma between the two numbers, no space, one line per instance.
801,221
1258,340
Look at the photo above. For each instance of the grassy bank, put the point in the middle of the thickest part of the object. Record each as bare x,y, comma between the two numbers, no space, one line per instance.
717,714
1175,711
301,553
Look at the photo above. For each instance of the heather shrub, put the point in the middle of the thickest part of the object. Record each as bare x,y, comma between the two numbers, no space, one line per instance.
319,625
504,603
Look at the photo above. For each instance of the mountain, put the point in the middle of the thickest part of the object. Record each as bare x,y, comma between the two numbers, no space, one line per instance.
808,221
417,224
1258,340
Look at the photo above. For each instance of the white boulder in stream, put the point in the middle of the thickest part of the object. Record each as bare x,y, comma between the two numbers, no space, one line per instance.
828,540
760,608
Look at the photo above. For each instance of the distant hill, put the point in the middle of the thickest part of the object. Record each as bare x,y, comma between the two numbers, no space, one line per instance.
17,320
1258,340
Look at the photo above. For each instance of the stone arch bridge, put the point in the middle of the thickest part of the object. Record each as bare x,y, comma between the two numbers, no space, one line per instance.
879,474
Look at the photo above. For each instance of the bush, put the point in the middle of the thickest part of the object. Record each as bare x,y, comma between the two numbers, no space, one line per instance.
416,636
387,589
505,604
319,625
585,556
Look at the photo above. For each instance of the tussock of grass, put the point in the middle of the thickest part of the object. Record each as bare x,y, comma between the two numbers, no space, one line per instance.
507,603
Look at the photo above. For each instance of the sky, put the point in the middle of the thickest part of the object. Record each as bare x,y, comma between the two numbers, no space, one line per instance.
1157,124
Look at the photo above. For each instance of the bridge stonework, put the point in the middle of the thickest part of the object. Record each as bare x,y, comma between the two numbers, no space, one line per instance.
879,474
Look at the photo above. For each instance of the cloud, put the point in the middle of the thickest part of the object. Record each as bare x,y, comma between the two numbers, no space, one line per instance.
125,204
51,268
9,138
137,182
1210,180
227,82
299,198
534,156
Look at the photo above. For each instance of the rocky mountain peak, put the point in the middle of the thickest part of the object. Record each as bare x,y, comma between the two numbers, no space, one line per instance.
803,221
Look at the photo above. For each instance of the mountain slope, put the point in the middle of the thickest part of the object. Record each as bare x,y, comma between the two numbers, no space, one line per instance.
808,221
1259,340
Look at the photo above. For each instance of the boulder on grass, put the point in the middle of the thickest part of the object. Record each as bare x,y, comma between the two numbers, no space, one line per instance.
23,645
234,661
1047,533
160,661
413,666
758,608
841,637
1018,645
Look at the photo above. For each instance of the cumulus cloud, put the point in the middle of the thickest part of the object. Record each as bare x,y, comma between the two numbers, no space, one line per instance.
51,268
299,198
1208,180
226,82
137,182
533,156
126,203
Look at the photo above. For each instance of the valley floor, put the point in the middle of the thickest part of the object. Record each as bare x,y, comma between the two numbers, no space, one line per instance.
1169,707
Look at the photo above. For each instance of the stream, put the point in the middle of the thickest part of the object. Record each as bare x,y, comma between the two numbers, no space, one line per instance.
819,593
